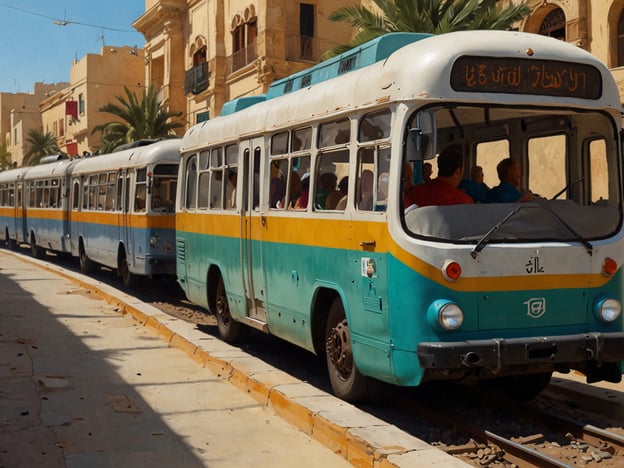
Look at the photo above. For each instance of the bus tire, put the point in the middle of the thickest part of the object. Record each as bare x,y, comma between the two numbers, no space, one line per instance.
230,330
129,279
35,250
86,264
347,382
10,243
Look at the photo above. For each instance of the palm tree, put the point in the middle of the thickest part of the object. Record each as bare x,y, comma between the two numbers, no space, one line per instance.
140,119
425,16
41,144
5,157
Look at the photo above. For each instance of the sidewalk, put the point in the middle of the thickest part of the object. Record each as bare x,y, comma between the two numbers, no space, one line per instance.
93,377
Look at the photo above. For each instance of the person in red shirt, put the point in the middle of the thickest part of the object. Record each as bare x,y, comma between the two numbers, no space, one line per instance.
443,189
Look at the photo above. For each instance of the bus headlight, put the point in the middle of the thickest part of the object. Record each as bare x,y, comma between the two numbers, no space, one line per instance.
153,241
445,315
608,310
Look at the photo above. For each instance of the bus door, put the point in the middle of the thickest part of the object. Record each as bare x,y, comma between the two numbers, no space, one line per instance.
125,216
73,206
251,232
21,228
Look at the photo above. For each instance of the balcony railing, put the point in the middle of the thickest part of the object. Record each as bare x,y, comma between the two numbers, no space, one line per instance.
302,48
243,57
197,79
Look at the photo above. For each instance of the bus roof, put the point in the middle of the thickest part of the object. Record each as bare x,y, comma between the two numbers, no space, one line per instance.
420,70
162,150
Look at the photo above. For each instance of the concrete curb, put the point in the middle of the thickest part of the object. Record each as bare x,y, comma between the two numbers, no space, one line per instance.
359,437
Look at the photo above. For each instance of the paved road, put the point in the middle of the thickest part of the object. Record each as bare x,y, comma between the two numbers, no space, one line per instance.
91,377
82,385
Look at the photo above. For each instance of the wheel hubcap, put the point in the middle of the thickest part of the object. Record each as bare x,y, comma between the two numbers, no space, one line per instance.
339,349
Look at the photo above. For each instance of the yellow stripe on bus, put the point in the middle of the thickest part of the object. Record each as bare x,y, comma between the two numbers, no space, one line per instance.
357,235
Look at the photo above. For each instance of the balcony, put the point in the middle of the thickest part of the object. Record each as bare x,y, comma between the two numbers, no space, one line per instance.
242,57
197,79
302,48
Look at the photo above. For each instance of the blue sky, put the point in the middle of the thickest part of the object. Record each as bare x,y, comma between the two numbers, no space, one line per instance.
35,49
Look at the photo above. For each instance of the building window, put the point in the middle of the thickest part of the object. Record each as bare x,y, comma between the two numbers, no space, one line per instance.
554,25
306,30
81,104
244,34
620,40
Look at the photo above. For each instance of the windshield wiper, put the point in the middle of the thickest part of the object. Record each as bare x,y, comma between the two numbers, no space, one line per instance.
590,248
569,186
488,235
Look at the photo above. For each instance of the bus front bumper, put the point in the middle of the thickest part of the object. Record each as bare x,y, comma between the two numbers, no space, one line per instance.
504,355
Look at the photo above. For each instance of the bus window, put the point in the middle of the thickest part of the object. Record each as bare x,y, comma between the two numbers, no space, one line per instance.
487,156
599,172
331,167
298,184
301,139
111,191
277,190
141,190
119,197
191,183
547,165
164,187
231,166
334,133
375,126
372,178
279,143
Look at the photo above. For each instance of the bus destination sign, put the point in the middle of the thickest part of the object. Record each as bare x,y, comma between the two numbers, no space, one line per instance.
526,76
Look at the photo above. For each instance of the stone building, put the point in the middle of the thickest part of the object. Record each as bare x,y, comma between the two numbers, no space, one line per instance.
19,113
202,53
94,80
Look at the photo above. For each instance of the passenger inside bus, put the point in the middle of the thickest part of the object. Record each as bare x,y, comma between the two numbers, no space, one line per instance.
427,172
508,190
475,187
366,191
326,193
443,189
302,201
343,187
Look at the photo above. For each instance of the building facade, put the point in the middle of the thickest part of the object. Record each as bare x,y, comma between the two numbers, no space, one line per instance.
202,53
95,80
19,113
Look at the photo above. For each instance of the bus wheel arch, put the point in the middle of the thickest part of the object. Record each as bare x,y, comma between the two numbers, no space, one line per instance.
35,250
10,243
347,382
86,264
128,278
230,330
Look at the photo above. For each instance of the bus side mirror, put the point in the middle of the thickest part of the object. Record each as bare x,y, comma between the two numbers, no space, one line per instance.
421,139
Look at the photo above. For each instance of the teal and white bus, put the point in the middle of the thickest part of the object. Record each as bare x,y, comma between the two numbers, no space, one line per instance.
404,294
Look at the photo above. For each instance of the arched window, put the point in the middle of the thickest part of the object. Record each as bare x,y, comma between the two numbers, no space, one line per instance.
244,33
554,25
620,40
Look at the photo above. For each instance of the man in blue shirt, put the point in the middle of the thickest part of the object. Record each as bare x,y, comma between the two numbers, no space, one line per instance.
508,190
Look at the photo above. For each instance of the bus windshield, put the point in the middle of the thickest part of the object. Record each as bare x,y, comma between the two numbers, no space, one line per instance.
567,186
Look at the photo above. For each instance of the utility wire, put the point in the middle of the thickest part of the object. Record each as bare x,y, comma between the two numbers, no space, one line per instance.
65,22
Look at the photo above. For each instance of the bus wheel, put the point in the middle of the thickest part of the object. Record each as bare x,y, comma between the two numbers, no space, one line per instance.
35,250
129,279
11,243
229,329
346,380
86,264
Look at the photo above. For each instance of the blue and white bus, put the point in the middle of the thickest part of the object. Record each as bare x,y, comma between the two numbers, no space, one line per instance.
405,294
115,210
